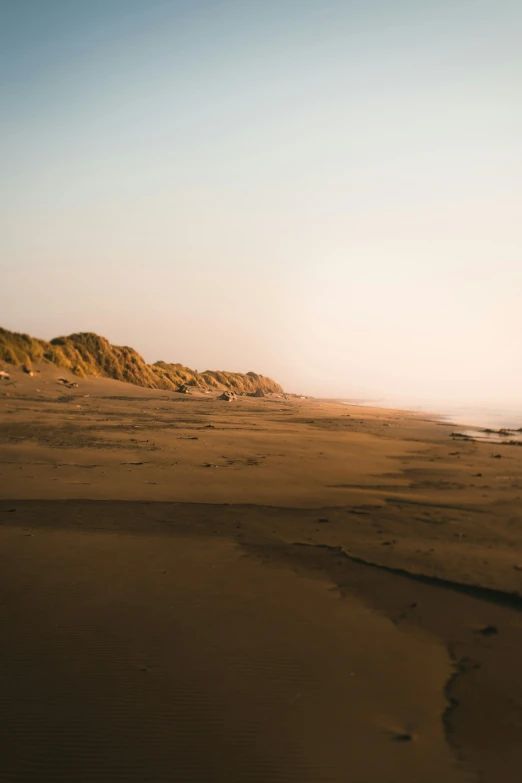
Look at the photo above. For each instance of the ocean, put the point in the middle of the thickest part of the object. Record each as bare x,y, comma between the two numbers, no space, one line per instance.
492,416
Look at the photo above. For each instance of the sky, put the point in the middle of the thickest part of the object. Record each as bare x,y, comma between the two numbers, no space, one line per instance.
328,192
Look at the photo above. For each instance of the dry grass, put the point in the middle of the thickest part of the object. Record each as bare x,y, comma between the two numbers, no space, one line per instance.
87,353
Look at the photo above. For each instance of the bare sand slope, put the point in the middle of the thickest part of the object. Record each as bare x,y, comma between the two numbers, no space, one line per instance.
265,590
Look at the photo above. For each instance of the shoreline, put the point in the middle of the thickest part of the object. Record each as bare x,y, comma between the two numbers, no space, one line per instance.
140,517
266,644
106,550
484,417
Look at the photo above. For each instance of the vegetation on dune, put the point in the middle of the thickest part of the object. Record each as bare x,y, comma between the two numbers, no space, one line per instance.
20,349
87,353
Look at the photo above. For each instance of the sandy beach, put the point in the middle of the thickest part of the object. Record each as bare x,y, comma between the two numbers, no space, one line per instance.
269,590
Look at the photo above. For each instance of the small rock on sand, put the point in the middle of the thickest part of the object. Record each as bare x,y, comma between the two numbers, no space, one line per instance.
227,396
402,737
488,630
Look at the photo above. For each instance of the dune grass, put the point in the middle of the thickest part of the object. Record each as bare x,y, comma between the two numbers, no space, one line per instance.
86,353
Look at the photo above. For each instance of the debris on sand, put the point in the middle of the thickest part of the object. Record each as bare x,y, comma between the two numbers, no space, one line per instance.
402,737
227,396
183,389
4,376
27,370
66,382
258,393
488,630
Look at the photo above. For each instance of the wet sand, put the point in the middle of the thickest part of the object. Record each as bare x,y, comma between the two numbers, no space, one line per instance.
266,590
170,658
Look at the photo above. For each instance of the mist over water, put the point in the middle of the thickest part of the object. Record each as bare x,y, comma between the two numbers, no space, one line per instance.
493,416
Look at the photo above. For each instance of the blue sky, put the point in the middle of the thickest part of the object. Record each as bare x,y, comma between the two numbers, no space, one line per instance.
327,192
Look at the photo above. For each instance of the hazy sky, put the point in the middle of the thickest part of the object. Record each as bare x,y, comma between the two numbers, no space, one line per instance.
325,191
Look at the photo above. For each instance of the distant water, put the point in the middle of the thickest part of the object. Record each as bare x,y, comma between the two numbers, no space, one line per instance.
491,416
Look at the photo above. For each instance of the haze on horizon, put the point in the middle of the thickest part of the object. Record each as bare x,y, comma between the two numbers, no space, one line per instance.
324,192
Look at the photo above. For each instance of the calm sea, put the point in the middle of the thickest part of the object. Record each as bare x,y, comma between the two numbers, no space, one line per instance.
490,416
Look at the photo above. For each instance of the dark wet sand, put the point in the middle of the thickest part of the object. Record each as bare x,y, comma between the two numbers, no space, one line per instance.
171,658
273,590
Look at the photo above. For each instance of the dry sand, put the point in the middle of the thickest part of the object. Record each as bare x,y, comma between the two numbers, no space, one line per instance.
264,590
